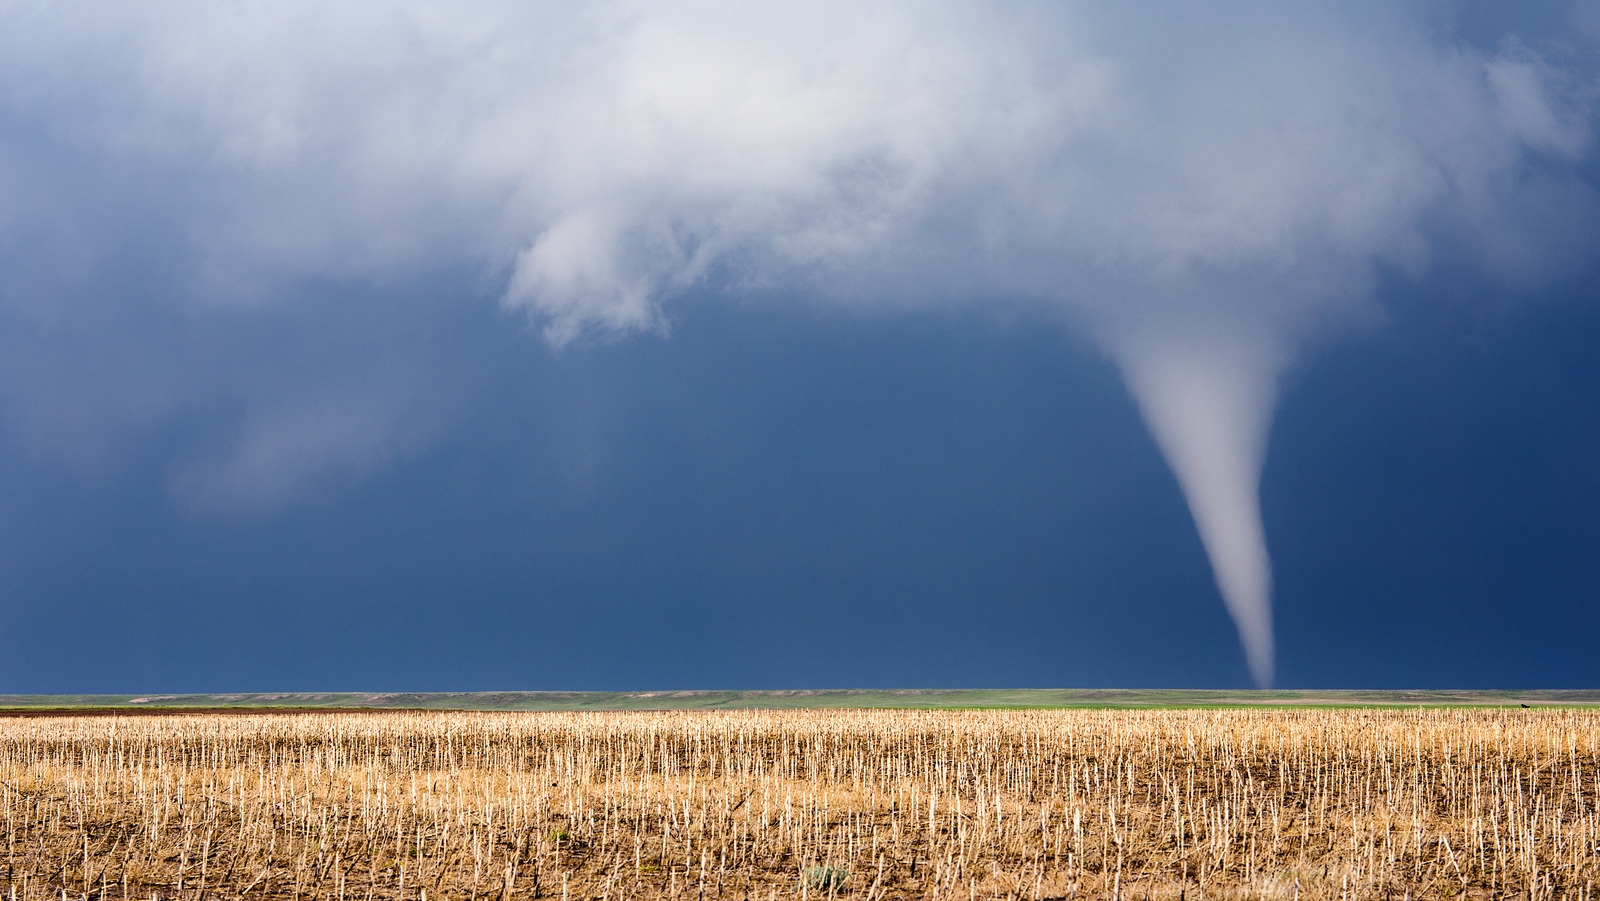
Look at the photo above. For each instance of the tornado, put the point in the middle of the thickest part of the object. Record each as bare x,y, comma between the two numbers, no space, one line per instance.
1208,403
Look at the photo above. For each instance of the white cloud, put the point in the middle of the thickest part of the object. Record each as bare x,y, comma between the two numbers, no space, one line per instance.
606,158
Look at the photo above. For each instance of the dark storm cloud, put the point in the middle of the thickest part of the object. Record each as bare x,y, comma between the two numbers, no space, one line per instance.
1203,191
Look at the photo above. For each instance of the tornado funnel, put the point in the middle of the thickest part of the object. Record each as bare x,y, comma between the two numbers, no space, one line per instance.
1209,406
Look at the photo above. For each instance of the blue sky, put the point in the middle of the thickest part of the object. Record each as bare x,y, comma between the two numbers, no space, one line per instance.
507,347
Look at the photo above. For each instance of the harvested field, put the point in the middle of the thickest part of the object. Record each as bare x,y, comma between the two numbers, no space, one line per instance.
1281,803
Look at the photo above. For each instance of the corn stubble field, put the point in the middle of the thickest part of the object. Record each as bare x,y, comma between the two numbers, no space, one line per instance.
1287,803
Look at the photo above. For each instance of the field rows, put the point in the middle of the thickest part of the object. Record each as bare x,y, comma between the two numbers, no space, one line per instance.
1288,803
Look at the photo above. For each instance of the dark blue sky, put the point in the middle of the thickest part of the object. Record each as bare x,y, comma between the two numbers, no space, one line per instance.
780,499
524,345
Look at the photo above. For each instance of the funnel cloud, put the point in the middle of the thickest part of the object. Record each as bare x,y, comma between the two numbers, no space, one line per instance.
1209,407
1207,193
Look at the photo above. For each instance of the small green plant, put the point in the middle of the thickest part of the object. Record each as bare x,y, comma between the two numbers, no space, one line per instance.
823,878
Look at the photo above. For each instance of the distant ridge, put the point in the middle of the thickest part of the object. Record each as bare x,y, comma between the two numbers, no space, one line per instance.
794,699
